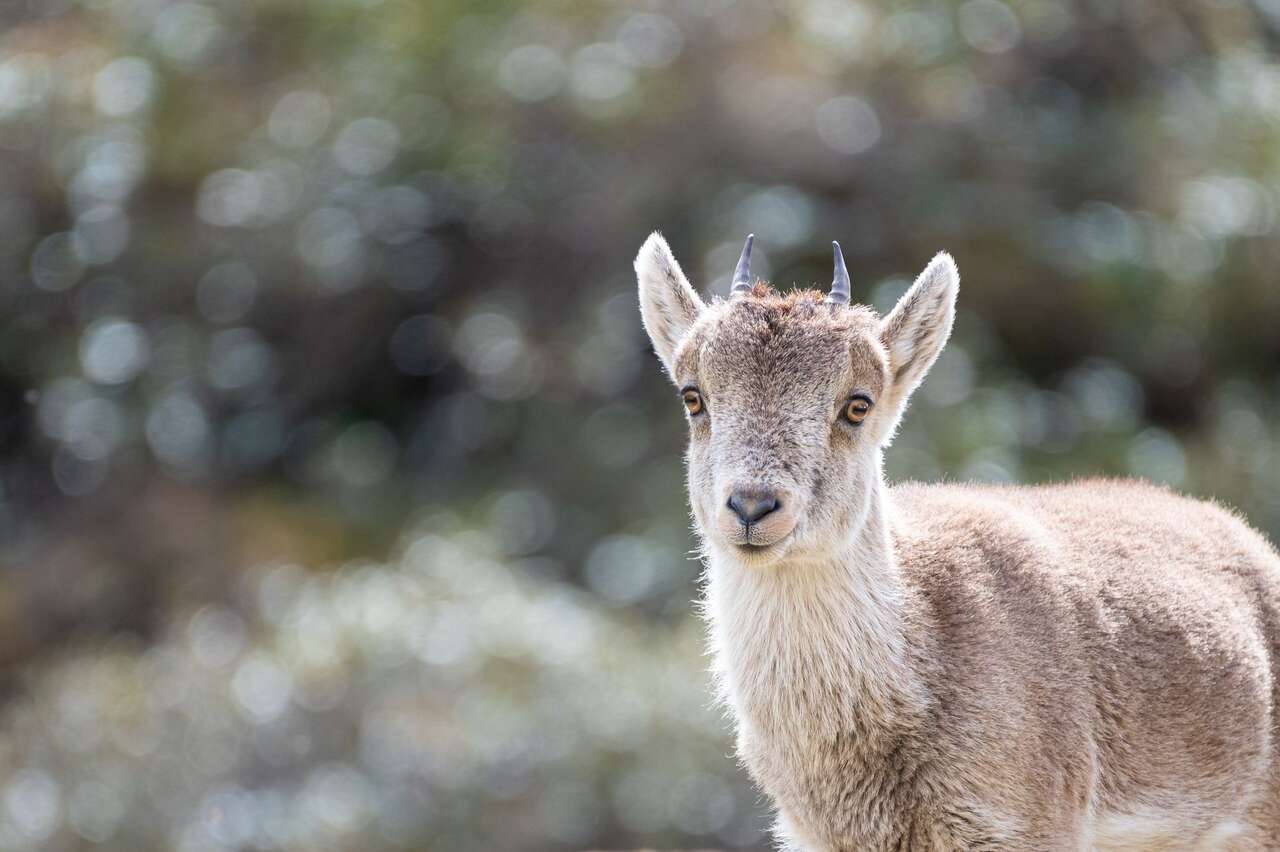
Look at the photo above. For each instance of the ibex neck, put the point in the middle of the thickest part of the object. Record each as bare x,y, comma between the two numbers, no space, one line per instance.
820,644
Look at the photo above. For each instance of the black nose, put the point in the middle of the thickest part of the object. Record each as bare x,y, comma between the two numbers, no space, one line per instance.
750,505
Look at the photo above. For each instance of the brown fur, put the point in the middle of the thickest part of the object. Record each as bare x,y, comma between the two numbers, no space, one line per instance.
1111,645
954,667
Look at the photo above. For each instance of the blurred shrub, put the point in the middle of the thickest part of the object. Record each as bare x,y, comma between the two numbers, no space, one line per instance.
275,275
445,701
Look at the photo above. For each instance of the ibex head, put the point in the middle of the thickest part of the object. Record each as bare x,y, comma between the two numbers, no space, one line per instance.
789,397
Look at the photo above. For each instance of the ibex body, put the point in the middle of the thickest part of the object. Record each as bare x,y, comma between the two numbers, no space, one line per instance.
1075,667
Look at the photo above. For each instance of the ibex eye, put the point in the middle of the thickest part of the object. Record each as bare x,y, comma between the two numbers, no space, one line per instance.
857,409
692,400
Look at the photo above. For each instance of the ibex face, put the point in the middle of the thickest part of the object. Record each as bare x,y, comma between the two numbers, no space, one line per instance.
789,398
779,424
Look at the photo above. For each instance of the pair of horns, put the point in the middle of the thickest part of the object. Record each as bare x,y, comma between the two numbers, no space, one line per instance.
840,289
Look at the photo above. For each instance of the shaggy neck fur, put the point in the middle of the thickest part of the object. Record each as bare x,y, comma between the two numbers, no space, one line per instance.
816,649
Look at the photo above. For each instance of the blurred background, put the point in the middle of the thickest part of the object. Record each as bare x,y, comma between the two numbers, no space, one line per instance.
341,502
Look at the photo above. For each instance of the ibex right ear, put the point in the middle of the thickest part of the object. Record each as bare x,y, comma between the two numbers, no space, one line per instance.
668,305
917,328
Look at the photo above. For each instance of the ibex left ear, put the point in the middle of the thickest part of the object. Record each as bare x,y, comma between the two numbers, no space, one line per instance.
668,304
917,328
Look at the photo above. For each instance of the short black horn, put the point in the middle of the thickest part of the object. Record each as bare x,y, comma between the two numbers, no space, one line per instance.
742,275
839,294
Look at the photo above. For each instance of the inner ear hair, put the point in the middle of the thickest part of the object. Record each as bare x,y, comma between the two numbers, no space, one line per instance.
668,304
917,328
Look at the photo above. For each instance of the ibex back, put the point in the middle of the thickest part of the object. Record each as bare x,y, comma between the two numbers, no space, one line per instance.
951,667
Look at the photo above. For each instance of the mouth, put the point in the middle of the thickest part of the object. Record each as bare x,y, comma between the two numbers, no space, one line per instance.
753,550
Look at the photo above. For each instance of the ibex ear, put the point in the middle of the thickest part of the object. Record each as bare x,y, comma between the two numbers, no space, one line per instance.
917,328
668,305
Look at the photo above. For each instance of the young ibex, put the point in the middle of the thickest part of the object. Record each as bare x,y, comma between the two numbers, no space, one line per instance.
955,667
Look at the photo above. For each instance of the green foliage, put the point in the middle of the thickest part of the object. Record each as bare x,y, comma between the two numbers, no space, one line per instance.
281,279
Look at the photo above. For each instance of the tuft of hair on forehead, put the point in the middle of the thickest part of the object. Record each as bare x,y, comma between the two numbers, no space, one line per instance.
806,304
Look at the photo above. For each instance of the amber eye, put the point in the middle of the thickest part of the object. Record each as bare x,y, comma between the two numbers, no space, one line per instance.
692,400
857,409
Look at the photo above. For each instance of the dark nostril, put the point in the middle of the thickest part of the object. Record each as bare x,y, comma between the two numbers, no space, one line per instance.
751,506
